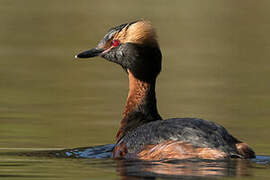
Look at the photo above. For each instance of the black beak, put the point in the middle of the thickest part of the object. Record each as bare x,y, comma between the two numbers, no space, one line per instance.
90,53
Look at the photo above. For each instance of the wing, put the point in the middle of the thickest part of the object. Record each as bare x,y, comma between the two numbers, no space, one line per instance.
197,132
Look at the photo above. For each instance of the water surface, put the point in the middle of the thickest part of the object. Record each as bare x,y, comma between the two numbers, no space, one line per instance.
88,162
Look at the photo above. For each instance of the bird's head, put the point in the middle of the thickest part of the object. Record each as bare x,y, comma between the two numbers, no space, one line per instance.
132,45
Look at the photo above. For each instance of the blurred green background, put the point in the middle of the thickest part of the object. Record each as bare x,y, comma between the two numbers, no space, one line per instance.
215,66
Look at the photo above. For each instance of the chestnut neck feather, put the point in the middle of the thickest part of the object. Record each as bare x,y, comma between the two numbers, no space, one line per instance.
140,107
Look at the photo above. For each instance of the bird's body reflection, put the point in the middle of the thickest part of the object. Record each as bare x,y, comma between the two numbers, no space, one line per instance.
191,168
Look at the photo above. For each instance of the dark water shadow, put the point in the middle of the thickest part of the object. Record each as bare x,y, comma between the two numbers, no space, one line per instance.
95,152
169,169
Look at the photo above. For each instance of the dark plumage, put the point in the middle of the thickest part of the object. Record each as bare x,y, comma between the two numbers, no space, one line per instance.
143,61
197,132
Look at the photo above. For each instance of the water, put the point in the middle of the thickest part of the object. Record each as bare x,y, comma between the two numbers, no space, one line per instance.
215,67
95,162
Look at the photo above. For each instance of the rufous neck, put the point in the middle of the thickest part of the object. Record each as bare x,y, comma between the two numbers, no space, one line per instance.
141,106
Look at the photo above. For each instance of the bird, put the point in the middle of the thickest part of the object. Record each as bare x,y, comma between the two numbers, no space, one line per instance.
143,133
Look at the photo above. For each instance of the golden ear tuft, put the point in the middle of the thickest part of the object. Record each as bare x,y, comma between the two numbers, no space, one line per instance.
140,32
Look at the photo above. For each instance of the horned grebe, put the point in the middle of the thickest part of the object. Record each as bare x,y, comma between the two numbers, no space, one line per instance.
143,134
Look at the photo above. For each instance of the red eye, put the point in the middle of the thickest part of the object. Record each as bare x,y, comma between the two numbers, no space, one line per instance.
115,43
